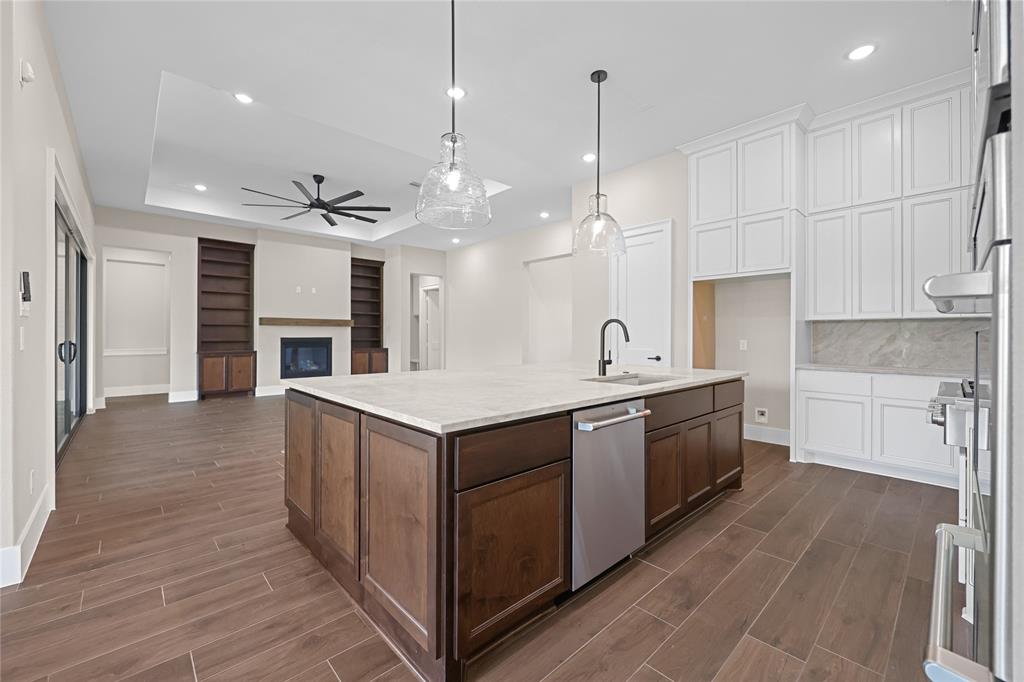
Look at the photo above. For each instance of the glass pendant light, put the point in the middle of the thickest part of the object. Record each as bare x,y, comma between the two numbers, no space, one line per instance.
599,232
452,196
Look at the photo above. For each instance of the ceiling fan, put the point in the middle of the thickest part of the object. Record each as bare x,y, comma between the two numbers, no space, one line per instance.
329,207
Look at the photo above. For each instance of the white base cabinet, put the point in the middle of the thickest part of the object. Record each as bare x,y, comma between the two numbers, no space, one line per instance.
872,422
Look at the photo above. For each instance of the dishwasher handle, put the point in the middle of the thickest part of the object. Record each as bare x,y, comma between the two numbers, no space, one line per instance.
594,426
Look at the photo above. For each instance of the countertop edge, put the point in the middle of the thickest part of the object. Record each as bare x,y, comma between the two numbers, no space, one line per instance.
628,393
905,371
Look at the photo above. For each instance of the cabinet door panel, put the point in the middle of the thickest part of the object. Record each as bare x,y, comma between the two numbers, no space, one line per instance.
664,500
698,462
877,157
828,266
712,180
337,519
713,249
932,244
931,144
764,170
241,372
512,552
727,445
903,437
835,424
360,361
300,438
763,242
379,361
828,169
213,374
877,261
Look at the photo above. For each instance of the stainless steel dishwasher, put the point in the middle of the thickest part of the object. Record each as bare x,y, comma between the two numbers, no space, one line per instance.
607,487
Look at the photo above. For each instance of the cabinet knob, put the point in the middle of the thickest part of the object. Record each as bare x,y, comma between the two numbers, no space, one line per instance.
656,358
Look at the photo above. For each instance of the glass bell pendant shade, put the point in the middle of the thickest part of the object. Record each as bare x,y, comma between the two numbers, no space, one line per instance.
598,232
452,196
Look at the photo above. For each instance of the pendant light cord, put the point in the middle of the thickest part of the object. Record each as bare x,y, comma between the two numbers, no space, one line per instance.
599,142
452,93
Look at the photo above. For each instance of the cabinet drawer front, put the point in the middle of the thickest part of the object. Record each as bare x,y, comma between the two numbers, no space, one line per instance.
850,383
672,408
729,394
489,455
512,552
907,387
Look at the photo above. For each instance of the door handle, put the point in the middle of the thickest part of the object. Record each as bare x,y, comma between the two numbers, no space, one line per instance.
60,352
656,358
74,351
594,426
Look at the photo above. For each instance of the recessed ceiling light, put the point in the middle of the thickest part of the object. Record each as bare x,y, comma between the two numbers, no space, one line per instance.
243,98
455,240
861,52
456,92
545,215
200,188
589,157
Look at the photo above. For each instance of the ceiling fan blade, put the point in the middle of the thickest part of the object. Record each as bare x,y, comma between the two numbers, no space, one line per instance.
353,215
273,195
302,188
273,205
296,215
330,221
365,208
345,197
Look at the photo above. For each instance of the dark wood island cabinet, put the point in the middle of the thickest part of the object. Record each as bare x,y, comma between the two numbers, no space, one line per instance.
450,541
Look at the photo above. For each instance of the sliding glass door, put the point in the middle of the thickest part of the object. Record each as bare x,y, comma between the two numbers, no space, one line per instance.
70,325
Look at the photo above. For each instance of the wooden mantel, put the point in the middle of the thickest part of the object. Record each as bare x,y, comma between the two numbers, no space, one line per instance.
304,322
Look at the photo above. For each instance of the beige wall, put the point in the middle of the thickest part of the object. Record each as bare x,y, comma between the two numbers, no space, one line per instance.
400,264
756,309
488,313
36,130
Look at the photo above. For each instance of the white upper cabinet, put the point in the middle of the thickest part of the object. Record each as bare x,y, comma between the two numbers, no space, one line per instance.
932,152
713,249
877,161
763,242
828,265
932,245
764,172
828,169
877,260
713,184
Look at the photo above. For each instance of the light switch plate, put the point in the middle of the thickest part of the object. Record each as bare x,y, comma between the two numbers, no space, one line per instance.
743,344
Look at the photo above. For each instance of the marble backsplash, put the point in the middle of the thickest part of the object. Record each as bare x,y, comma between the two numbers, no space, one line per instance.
910,344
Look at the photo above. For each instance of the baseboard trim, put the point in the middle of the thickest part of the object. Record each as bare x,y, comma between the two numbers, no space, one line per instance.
262,391
182,396
872,467
14,560
143,389
766,434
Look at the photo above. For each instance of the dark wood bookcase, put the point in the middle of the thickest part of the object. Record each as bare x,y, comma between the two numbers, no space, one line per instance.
227,356
368,353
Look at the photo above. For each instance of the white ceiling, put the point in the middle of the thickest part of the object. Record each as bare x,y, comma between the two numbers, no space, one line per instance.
355,91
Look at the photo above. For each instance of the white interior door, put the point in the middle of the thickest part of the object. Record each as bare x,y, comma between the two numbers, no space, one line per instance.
431,312
640,294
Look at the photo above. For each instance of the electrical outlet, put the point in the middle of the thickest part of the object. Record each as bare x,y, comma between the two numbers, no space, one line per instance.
761,415
298,290
743,344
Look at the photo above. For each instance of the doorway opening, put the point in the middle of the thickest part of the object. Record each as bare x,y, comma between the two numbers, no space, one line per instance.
70,336
426,323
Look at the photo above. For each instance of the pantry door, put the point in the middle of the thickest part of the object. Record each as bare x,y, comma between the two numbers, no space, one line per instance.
640,294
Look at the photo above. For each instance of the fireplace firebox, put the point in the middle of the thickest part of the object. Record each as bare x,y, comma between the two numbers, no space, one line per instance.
305,357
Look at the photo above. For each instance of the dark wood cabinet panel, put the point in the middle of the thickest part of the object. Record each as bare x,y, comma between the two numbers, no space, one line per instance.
300,436
512,553
728,445
496,453
698,461
664,475
399,526
728,394
369,360
673,408
213,374
336,524
226,372
242,372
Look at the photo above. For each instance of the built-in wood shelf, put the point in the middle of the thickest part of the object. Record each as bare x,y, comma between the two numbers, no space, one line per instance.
304,322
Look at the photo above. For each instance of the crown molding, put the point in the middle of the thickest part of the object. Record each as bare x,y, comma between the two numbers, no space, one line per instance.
801,114
949,81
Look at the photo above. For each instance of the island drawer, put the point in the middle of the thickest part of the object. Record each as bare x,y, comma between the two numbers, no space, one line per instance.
728,394
487,456
672,408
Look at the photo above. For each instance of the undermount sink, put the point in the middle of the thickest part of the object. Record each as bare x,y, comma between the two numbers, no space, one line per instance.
633,379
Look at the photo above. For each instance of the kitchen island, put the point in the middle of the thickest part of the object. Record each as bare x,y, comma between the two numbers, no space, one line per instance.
442,500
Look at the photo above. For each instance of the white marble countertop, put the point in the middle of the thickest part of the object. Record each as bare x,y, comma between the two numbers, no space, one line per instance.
443,401
947,373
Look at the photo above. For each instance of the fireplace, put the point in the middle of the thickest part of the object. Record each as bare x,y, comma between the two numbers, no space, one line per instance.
305,357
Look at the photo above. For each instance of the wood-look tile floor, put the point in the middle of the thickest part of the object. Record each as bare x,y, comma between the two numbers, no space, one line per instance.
167,559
